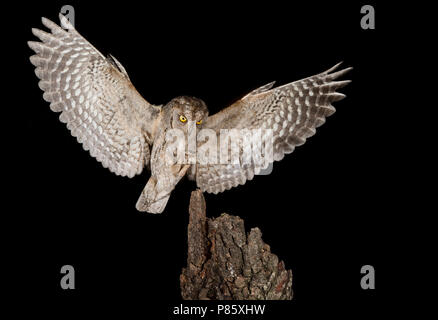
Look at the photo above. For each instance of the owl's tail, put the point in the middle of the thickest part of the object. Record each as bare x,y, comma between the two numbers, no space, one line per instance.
151,200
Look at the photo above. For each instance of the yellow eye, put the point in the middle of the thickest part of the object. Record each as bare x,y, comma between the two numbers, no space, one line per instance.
199,122
182,118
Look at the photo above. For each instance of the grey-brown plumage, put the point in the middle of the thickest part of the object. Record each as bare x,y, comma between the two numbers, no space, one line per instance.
124,132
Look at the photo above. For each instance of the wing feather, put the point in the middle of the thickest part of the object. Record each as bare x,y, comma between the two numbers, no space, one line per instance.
293,111
97,101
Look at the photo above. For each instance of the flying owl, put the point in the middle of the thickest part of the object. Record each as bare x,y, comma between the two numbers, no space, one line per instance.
124,132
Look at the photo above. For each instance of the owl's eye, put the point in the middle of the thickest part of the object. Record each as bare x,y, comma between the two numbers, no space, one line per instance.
182,118
199,122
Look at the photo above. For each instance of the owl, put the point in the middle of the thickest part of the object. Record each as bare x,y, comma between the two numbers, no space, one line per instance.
104,111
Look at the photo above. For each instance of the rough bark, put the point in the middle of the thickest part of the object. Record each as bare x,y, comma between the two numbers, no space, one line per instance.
226,263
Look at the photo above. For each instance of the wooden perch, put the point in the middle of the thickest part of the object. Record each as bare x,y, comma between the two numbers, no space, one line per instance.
224,263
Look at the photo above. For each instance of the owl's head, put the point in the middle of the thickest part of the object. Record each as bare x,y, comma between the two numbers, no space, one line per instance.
185,110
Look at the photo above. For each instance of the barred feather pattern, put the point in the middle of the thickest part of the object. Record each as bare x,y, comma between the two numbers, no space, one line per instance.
293,112
97,101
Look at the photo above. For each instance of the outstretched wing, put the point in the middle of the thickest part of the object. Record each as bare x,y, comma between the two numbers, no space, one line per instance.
293,112
97,101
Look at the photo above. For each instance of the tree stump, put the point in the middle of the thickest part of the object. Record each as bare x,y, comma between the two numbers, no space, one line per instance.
225,263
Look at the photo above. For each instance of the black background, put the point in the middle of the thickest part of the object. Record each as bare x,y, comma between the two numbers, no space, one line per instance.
326,209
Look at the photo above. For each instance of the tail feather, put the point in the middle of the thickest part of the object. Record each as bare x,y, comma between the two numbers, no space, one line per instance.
151,200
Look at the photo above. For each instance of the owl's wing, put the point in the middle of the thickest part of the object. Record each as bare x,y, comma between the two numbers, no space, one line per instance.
97,101
293,112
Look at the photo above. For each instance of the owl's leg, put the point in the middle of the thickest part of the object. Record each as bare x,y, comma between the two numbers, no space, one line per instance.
156,193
